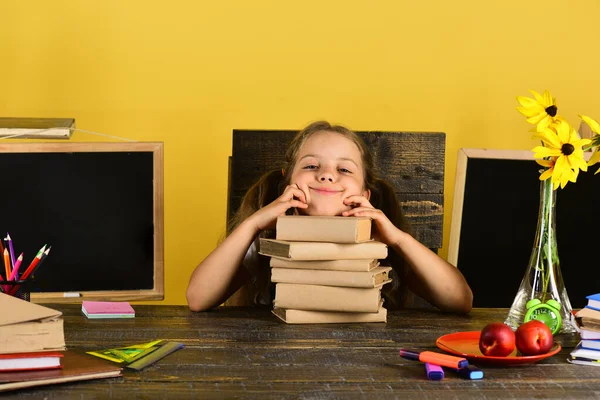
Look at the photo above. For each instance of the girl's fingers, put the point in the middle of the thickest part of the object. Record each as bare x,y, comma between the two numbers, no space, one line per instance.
305,190
292,191
357,201
363,212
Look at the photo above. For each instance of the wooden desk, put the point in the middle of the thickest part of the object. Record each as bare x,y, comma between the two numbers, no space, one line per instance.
248,353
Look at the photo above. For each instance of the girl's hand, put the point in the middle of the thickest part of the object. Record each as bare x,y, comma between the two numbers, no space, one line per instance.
385,231
266,217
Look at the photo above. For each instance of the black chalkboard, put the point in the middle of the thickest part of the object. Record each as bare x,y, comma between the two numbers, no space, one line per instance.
498,223
97,205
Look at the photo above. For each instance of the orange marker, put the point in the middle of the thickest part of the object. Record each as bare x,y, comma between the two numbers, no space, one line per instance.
444,360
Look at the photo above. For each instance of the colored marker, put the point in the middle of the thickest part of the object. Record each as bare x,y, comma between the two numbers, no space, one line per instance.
434,372
470,372
15,271
444,360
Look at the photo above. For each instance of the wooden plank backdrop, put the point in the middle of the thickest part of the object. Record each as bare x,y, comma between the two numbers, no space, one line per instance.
413,162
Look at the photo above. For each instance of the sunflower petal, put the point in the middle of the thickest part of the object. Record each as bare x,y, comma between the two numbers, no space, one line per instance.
591,122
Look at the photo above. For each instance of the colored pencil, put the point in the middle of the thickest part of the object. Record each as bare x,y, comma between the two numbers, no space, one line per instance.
44,255
34,262
11,252
7,263
15,271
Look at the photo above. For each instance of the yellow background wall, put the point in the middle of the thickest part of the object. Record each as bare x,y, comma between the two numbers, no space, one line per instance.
188,72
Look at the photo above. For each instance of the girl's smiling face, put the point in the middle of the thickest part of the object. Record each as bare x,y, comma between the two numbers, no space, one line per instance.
330,167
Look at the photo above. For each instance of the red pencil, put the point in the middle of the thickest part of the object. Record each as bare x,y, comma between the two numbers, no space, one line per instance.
33,263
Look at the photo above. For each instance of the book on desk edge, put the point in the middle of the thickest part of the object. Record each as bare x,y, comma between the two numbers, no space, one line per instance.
304,228
328,317
322,251
75,367
30,361
358,265
327,298
368,279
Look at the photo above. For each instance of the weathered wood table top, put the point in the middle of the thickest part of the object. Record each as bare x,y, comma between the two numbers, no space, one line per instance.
248,353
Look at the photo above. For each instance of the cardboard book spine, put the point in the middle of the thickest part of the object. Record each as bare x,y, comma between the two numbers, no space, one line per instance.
324,229
326,298
322,251
328,317
327,265
332,278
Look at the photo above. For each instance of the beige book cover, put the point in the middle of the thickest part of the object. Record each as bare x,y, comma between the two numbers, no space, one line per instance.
321,250
369,279
326,298
304,228
588,318
329,265
60,128
328,317
27,327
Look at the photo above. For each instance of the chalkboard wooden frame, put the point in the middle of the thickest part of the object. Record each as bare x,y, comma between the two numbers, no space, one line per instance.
494,218
155,290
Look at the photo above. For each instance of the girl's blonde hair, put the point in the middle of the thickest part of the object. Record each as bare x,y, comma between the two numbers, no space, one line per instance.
272,184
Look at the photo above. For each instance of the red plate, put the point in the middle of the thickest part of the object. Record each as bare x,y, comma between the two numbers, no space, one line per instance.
466,344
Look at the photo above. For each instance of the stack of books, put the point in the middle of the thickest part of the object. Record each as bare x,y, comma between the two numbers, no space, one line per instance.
32,348
587,323
326,270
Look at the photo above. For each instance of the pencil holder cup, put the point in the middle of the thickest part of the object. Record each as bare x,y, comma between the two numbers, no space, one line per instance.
19,289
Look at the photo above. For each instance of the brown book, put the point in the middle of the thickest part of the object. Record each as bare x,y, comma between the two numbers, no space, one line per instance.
328,317
75,367
588,318
27,327
329,265
321,250
60,128
303,228
327,298
369,279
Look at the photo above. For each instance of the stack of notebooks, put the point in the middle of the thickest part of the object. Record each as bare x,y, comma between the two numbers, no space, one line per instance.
326,270
107,309
32,344
587,323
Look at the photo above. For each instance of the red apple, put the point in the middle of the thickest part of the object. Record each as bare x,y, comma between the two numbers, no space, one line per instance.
533,338
497,339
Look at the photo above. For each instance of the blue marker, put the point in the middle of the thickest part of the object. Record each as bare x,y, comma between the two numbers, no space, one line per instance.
470,372
434,372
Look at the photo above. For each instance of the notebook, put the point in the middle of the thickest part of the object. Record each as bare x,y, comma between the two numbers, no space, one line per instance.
107,309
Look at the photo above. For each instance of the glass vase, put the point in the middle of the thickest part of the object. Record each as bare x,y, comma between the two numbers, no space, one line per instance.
543,279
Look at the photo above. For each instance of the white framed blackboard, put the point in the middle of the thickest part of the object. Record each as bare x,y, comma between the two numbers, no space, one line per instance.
494,219
101,208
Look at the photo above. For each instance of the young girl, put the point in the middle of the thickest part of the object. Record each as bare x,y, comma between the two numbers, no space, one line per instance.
329,171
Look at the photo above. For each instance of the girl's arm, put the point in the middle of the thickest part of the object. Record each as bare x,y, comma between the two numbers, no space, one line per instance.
220,274
430,277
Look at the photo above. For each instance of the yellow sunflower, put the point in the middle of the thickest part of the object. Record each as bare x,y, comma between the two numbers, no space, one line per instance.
562,144
593,124
540,110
